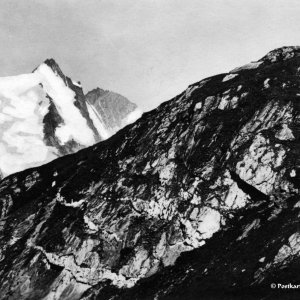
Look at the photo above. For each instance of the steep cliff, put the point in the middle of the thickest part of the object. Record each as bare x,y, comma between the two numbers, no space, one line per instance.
211,175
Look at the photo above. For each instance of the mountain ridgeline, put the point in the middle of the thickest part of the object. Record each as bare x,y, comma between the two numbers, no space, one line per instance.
45,115
198,199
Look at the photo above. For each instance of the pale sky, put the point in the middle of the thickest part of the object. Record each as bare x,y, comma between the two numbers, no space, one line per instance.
146,50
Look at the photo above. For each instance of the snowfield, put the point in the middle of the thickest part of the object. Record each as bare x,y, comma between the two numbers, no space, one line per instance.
27,140
75,127
23,105
24,102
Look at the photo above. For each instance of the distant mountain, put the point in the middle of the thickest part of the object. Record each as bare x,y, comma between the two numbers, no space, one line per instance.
198,199
44,115
113,110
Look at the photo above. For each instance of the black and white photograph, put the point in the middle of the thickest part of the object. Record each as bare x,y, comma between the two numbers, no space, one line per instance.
150,150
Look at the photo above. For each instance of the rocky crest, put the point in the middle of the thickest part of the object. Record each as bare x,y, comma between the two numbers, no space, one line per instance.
198,197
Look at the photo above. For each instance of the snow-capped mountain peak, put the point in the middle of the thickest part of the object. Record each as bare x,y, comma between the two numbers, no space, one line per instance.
75,126
44,115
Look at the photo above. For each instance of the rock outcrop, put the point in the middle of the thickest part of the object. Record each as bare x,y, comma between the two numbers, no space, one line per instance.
199,196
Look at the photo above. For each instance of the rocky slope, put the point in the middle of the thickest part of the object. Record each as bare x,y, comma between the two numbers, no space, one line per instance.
211,176
44,115
114,110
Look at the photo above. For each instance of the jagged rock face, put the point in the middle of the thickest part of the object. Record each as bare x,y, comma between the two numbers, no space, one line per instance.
114,111
208,172
258,248
43,115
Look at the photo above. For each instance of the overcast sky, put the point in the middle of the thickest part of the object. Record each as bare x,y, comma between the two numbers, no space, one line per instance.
147,50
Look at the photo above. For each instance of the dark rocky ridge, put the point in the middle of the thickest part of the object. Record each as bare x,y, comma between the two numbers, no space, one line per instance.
213,173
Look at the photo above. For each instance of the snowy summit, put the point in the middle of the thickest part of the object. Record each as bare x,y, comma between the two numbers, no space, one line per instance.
44,115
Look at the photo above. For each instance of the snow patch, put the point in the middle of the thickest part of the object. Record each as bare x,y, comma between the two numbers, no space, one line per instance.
77,84
132,117
209,222
74,204
229,77
252,65
198,106
266,83
262,259
59,198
